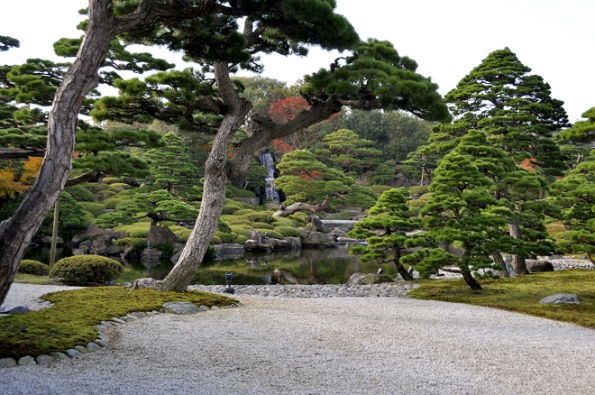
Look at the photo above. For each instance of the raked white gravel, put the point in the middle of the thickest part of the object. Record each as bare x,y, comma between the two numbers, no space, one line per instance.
328,346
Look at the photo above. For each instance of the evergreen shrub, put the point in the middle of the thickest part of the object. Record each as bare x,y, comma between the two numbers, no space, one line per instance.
138,229
81,269
93,208
80,193
29,266
288,231
229,209
264,216
418,189
110,180
243,211
261,225
415,205
216,240
94,188
232,192
119,186
273,234
112,202
379,189
181,232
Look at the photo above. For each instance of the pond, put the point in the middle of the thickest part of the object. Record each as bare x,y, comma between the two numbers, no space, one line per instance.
306,266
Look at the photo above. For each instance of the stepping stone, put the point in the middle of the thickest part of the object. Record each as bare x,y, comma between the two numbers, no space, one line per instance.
20,309
561,298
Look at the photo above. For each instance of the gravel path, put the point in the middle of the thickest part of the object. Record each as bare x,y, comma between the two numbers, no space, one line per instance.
328,346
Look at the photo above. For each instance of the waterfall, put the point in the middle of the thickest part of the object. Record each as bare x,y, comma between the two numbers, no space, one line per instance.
266,160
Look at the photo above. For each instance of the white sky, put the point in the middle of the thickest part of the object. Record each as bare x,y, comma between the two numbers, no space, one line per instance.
447,38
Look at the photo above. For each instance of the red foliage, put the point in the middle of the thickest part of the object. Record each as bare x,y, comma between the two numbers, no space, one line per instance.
282,146
286,109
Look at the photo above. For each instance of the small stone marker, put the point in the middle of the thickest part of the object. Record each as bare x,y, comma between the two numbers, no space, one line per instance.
561,298
180,308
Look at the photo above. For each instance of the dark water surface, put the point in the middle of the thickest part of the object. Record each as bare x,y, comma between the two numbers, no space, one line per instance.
328,266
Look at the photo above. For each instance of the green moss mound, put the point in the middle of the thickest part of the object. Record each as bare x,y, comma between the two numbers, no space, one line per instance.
72,319
112,202
93,208
288,231
418,189
271,234
82,269
244,211
138,229
80,193
29,266
229,209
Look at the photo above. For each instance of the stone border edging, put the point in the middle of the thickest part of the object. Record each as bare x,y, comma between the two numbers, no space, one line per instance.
103,337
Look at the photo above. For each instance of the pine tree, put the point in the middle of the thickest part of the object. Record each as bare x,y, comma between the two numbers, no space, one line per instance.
344,149
385,231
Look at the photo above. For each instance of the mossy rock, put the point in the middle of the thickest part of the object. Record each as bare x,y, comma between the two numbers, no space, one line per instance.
138,229
128,241
29,266
288,231
271,234
82,269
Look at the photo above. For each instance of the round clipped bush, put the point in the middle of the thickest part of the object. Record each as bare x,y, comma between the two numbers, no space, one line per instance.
81,269
216,240
244,211
271,234
230,209
29,266
80,193
264,216
288,231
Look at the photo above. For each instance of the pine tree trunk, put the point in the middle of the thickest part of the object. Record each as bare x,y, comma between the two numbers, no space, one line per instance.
518,261
497,256
400,268
470,280
213,198
16,233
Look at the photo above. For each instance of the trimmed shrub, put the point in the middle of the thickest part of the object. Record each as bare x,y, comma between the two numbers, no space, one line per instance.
81,269
94,188
120,186
223,227
415,205
281,221
237,230
380,189
264,216
110,180
80,193
343,215
243,211
29,266
180,231
229,209
418,189
216,240
300,217
288,231
104,195
261,225
232,192
224,237
138,229
93,208
241,239
112,202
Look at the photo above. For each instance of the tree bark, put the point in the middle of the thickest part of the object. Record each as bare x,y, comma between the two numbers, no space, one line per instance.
518,261
294,208
400,268
497,256
470,280
16,233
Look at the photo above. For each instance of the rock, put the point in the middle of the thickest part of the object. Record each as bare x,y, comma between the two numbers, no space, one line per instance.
368,279
337,232
59,356
73,353
101,343
87,244
93,347
316,223
44,359
355,279
7,363
79,251
180,308
346,240
178,248
104,246
312,239
535,266
151,256
229,251
47,240
27,361
561,298
19,309
81,349
160,235
295,243
275,244
94,231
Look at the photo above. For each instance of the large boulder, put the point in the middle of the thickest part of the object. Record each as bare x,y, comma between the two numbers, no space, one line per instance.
258,243
295,243
368,279
229,251
151,256
94,231
47,240
315,222
160,235
536,266
312,239
105,246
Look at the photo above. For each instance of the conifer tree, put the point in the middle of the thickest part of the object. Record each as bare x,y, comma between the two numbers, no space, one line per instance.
346,150
385,231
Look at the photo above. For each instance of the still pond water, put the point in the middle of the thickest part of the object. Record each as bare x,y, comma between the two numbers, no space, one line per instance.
329,266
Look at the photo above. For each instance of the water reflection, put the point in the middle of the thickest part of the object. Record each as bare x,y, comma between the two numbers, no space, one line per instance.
329,266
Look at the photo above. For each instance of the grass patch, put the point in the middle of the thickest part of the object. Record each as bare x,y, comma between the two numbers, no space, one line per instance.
26,278
71,321
522,294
